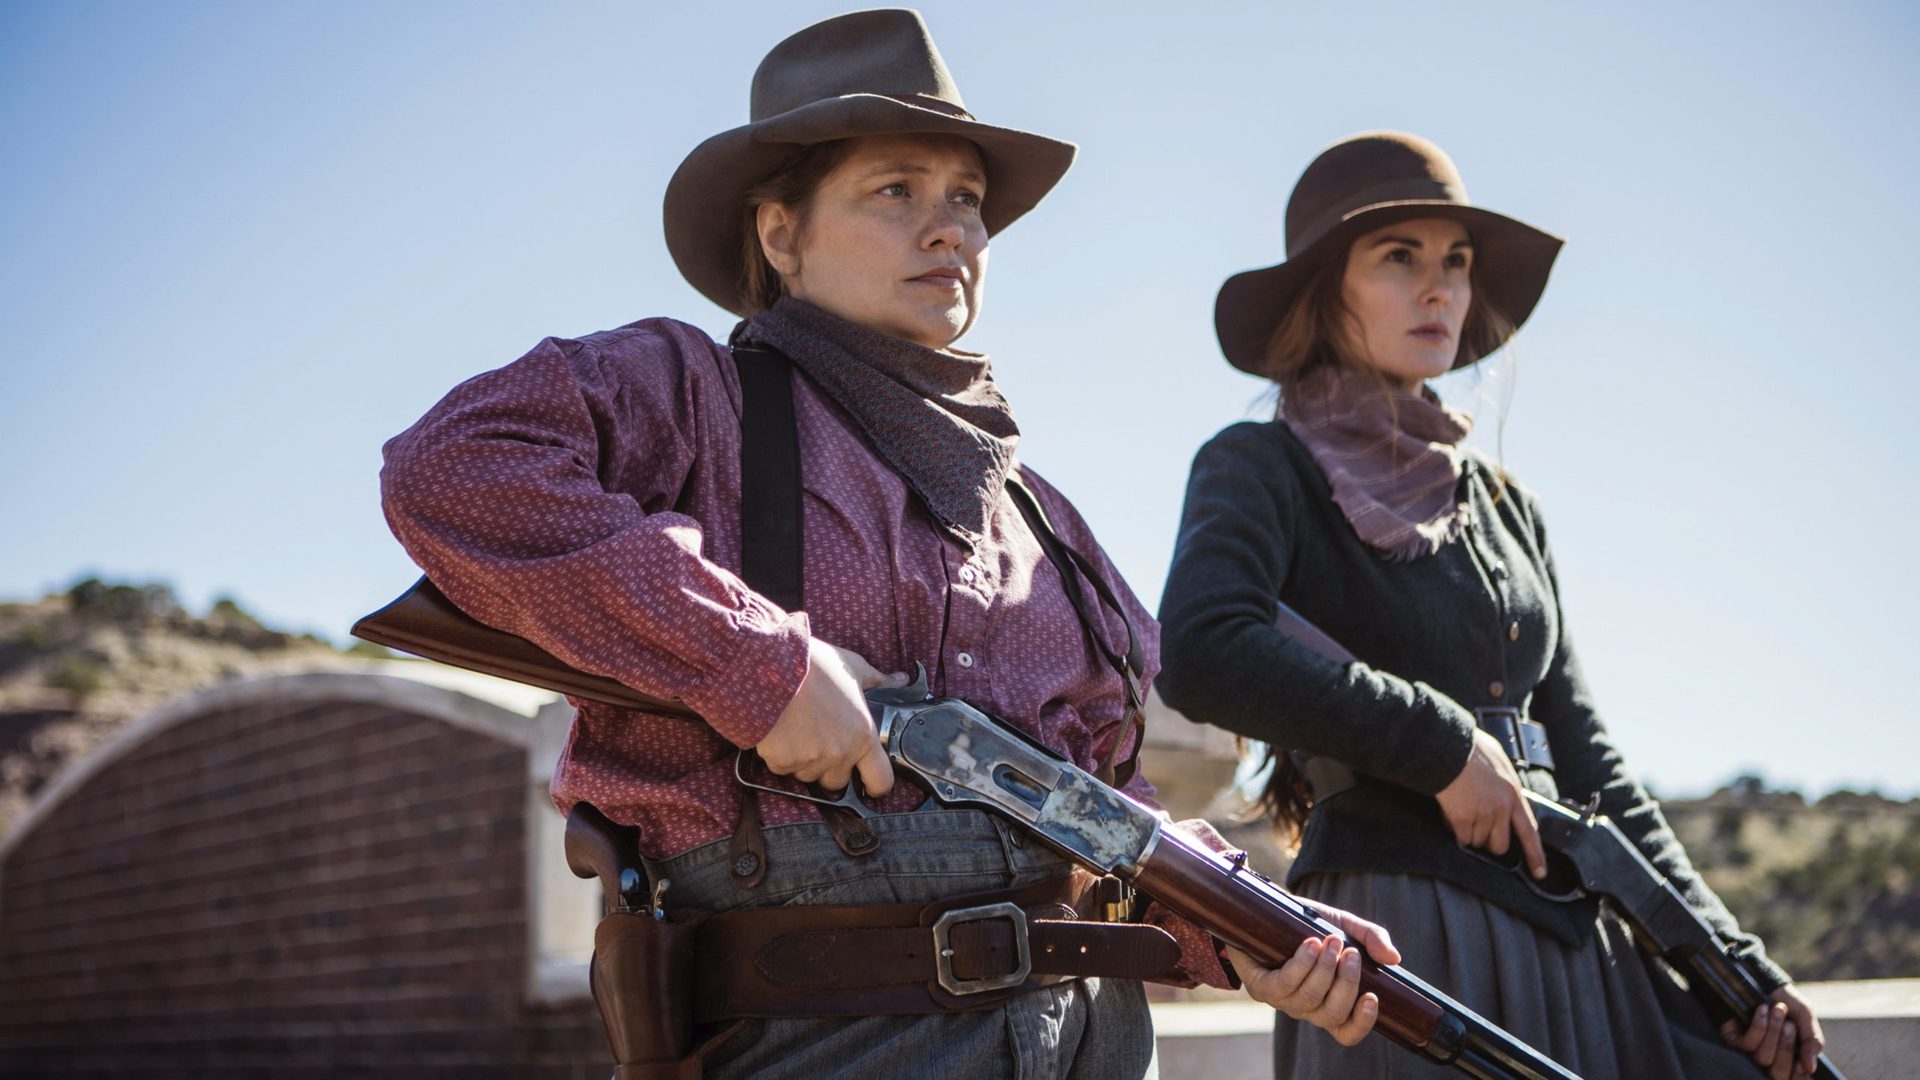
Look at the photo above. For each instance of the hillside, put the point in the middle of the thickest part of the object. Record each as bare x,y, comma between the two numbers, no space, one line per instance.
1832,886
77,666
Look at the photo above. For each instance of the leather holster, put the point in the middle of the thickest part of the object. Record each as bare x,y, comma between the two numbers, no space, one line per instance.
642,978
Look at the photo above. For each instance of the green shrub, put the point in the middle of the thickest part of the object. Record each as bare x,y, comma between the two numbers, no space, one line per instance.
79,677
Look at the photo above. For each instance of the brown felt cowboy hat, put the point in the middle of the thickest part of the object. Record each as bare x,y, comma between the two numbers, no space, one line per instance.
1360,184
868,73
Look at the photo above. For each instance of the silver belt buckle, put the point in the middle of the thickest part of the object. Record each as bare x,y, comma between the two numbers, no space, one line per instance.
943,950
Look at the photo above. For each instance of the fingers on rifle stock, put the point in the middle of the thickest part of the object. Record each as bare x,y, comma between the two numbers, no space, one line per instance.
1379,943
1365,1013
1528,829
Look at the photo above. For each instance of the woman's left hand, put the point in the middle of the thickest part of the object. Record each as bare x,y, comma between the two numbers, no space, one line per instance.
1783,1036
1320,984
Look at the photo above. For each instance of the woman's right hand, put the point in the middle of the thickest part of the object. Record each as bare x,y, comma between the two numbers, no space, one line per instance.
825,732
1486,807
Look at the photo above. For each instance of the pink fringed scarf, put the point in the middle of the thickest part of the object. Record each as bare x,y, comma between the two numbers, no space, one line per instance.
1392,456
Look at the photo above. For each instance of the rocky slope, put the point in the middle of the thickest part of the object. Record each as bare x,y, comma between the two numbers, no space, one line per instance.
77,666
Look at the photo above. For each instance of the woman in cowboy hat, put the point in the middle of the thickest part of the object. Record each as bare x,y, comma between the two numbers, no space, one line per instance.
1357,508
588,497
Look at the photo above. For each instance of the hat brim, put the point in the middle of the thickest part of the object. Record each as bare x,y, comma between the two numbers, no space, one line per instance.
1513,258
708,192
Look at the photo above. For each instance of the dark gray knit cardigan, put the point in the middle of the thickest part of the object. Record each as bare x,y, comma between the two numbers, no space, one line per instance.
1476,624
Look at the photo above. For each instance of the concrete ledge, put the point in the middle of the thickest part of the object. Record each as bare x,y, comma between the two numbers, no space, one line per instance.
1215,1040
1872,1028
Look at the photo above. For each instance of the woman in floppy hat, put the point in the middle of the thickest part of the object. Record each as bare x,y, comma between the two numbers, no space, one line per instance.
589,497
1357,508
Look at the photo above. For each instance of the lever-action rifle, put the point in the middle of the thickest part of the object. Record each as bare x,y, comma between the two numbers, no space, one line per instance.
966,758
1606,863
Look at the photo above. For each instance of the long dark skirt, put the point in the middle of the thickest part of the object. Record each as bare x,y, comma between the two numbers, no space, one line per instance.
1601,1010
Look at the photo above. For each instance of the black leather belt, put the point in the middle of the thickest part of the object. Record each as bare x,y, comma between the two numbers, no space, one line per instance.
1525,740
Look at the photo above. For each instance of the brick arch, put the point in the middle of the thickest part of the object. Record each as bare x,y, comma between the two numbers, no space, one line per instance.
319,873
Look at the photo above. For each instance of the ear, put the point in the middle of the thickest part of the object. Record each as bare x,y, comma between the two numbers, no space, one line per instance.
779,237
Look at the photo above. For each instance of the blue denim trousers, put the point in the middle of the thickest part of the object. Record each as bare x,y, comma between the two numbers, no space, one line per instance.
1083,1028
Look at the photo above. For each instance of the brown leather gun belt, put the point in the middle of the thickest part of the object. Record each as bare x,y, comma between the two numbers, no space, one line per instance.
966,952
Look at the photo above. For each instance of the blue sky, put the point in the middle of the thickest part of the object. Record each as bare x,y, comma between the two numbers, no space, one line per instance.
242,244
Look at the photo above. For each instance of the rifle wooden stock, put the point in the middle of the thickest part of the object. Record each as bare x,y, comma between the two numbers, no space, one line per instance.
422,621
1188,880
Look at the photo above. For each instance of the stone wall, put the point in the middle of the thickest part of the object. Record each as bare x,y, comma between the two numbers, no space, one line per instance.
301,885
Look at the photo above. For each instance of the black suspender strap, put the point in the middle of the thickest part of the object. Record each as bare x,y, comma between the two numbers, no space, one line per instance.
770,550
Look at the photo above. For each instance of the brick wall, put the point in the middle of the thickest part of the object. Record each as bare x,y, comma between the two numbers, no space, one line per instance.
321,890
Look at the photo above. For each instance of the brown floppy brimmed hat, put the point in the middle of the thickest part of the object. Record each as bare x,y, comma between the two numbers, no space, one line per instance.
867,73
1360,184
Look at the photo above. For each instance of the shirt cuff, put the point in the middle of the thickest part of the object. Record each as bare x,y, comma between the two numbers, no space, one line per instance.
751,683
1769,975
1444,749
1200,959
1200,956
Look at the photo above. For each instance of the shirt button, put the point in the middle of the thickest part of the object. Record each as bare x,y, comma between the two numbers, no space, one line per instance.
1513,632
966,659
1497,688
966,573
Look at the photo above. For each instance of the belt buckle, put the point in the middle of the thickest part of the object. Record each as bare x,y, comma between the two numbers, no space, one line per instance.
1508,733
943,951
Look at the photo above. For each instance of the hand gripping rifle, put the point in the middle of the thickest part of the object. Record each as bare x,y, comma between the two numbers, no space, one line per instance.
1606,863
966,758
1664,924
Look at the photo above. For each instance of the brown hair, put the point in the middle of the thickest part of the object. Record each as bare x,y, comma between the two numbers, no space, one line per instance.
793,185
1308,338
1311,333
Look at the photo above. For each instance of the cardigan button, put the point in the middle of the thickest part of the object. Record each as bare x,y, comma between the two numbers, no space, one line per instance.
1497,688
1500,568
1513,632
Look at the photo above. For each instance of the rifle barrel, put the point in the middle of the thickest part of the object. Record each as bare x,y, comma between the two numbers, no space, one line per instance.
1267,923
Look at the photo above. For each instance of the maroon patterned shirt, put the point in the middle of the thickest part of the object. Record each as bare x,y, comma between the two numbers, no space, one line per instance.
586,497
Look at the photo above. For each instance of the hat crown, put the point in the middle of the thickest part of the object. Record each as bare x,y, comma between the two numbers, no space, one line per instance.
1366,170
888,52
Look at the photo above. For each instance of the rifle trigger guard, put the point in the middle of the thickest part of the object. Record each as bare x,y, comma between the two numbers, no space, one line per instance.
943,949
